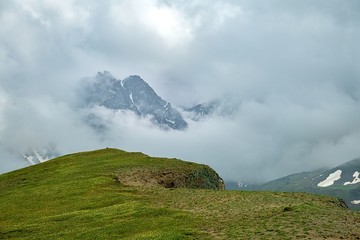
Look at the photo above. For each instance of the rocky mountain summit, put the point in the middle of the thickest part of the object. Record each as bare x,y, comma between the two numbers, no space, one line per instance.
132,94
200,111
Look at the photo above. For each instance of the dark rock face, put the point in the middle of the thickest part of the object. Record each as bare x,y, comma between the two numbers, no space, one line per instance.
202,178
107,91
132,94
147,102
202,110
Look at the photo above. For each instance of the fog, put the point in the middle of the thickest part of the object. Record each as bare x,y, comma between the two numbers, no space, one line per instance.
289,68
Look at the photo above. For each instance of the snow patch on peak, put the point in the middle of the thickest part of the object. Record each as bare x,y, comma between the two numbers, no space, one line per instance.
242,185
29,159
330,179
355,180
39,157
35,156
131,98
170,121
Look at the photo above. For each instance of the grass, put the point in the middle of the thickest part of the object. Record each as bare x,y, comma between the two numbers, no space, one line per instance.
82,196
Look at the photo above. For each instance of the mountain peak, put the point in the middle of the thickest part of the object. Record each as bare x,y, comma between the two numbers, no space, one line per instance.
135,95
105,76
134,78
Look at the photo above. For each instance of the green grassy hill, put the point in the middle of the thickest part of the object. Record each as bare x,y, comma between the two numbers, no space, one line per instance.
112,194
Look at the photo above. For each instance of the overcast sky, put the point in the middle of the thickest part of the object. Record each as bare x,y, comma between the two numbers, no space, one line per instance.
291,68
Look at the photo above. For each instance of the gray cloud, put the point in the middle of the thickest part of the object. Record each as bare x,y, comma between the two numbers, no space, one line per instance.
291,68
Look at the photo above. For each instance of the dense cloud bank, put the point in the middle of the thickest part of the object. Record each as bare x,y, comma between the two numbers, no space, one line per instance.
289,68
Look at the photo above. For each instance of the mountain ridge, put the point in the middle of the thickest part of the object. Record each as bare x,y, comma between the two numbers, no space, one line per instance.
341,181
131,94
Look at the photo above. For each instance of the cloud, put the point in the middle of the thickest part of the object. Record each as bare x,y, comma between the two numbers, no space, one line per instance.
41,121
164,21
3,102
289,68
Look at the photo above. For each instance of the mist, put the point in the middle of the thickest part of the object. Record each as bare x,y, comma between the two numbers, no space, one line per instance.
290,70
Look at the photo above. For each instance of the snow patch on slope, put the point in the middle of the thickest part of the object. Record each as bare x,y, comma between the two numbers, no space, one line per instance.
35,157
131,98
330,179
355,180
172,122
40,158
29,159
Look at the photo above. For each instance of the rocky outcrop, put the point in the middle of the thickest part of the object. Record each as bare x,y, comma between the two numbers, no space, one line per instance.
131,94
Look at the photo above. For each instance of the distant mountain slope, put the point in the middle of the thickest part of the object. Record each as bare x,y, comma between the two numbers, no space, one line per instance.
112,194
34,156
224,107
202,110
131,94
342,181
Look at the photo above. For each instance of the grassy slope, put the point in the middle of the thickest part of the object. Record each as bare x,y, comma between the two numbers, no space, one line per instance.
79,197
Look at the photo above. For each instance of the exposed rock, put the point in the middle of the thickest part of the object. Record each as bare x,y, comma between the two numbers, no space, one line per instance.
131,94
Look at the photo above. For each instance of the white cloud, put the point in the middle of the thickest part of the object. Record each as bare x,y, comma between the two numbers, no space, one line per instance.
169,23
3,102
